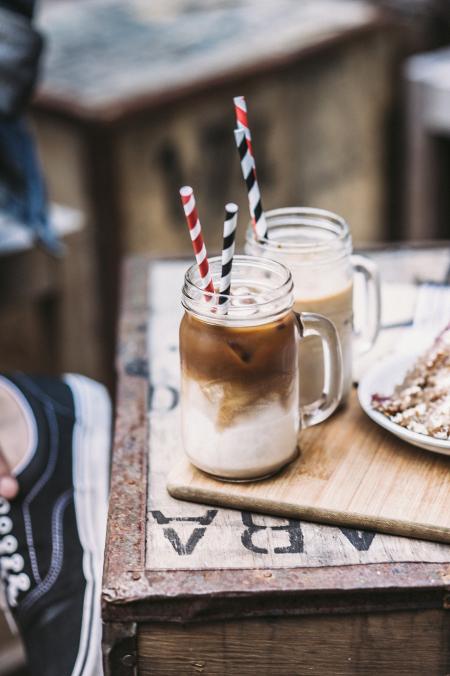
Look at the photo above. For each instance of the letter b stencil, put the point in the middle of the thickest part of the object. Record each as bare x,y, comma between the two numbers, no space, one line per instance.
265,539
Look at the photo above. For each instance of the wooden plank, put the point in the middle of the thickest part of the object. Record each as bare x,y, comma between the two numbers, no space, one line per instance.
42,321
188,596
125,539
350,473
405,643
78,340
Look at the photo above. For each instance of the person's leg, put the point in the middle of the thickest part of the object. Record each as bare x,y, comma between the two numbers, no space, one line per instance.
52,534
9,486
15,437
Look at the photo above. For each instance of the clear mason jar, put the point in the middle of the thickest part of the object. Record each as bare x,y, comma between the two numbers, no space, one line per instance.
316,246
240,408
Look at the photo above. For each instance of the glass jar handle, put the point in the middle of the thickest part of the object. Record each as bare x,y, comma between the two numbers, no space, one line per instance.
311,324
369,329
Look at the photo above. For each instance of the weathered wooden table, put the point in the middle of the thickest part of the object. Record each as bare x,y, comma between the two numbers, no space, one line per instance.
192,589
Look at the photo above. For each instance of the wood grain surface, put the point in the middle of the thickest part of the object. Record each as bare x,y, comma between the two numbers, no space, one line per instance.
382,644
349,472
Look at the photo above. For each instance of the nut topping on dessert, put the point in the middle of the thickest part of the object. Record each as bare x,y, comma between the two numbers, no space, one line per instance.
421,403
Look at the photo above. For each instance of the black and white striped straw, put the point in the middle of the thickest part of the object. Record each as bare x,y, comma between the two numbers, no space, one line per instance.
229,235
249,174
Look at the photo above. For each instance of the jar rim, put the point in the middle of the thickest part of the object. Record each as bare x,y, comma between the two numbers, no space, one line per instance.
283,217
201,302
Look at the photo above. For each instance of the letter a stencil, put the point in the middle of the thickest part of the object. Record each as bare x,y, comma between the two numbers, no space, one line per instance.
187,547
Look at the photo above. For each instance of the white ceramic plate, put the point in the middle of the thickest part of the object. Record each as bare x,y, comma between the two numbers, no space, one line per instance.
381,379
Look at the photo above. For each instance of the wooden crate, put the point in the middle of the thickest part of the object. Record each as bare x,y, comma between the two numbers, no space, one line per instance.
49,306
193,589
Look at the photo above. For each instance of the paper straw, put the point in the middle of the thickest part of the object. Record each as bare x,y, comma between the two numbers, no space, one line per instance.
229,234
254,196
240,107
195,229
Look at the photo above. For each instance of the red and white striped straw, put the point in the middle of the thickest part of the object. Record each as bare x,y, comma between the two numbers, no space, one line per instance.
195,229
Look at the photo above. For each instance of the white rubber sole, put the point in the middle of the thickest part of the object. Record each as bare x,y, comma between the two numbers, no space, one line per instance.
91,461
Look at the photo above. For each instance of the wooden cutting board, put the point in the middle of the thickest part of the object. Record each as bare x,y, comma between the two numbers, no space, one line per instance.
350,472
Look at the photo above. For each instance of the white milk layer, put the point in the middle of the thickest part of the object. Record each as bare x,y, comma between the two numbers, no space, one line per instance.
258,444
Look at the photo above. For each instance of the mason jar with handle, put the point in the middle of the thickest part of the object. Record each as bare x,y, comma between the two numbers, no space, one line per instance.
240,407
316,246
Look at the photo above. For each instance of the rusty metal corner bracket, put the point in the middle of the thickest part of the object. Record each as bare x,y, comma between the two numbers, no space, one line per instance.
120,648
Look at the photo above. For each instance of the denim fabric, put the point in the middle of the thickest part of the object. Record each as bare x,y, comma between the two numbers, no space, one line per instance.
24,7
22,189
20,48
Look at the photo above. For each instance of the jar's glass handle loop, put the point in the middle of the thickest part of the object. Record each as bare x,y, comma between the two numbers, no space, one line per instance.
311,324
367,327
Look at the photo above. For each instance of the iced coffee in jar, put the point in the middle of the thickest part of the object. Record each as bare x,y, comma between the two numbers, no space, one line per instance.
316,246
239,370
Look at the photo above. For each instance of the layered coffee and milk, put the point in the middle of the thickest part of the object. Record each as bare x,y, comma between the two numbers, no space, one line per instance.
240,393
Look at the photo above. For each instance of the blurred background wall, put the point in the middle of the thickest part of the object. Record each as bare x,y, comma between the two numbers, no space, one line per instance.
135,100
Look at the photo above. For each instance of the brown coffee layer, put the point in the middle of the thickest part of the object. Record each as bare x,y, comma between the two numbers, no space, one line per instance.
252,365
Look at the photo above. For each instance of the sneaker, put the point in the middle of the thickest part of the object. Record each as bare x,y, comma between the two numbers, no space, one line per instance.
52,535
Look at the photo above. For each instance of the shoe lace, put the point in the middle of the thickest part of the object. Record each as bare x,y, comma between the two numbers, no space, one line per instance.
11,562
